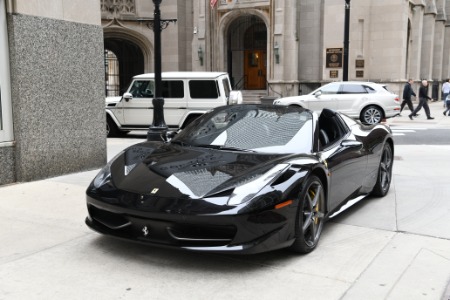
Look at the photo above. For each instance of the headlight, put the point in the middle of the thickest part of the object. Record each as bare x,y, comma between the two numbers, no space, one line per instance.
103,176
105,173
241,193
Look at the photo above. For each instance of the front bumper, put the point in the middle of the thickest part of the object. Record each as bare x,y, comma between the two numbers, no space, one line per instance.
240,233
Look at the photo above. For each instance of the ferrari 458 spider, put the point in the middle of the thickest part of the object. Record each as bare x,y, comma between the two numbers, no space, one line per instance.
242,179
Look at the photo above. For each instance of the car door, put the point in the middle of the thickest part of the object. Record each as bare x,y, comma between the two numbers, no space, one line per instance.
346,159
325,97
138,111
351,97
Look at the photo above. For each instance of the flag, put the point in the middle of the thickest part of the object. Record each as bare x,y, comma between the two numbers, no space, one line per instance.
213,3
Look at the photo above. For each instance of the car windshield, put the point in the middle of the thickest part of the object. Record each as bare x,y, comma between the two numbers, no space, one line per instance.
269,129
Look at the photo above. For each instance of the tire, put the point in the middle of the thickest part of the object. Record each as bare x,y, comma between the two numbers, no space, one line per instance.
310,216
384,176
111,128
371,115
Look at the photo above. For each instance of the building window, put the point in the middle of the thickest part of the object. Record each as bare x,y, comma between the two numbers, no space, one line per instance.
112,83
5,85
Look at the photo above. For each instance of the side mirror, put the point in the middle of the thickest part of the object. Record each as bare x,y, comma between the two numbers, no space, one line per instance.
351,144
318,93
127,96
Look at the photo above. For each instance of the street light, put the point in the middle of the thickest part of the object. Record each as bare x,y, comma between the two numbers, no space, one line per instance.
346,39
158,125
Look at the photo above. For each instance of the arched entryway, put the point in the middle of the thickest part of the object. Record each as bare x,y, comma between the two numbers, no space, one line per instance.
123,60
247,52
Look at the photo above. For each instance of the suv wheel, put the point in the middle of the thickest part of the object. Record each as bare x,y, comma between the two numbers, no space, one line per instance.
371,115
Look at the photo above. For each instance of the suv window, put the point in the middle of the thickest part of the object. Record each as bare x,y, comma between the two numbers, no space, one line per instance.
142,89
226,86
353,89
329,89
172,89
146,89
203,89
371,90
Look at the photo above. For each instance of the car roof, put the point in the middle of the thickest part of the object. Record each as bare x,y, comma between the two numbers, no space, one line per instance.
356,82
182,75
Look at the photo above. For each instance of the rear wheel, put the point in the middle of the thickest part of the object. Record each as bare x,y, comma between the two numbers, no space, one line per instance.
384,172
371,115
310,216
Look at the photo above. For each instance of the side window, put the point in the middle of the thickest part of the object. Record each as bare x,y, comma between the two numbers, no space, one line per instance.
204,89
6,123
142,89
353,89
172,89
1,119
370,89
330,89
226,86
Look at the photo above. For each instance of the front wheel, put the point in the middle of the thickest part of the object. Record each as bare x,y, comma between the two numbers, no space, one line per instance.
371,115
310,216
384,172
111,128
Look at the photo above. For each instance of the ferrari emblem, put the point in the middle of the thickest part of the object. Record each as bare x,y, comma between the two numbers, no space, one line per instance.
154,191
145,230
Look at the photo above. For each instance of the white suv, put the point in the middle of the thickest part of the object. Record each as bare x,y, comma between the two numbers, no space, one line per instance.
370,102
187,95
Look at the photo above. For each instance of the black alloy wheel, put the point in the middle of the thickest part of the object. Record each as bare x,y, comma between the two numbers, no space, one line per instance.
310,216
384,172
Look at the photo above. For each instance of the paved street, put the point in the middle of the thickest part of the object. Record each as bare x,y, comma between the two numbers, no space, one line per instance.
396,247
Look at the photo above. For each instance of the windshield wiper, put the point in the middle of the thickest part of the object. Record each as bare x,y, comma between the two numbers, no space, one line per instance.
225,148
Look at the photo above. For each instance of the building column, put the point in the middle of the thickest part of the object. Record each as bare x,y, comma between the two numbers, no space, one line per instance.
439,39
446,53
428,40
416,41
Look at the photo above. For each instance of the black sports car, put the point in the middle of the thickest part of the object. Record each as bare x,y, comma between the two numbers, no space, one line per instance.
242,179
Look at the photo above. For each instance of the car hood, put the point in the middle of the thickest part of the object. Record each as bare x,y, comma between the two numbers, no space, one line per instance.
112,100
292,99
178,172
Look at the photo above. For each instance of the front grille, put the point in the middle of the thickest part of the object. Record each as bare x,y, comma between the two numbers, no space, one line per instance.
111,220
160,231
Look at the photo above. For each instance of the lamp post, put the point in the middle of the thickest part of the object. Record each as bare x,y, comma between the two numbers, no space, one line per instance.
346,39
158,125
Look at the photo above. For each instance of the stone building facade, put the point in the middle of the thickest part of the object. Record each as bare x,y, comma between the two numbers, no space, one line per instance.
285,47
58,60
51,82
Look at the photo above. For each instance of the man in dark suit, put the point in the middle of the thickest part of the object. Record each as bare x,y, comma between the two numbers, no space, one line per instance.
407,94
423,101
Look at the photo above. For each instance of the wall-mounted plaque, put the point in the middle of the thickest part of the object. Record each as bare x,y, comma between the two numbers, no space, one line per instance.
334,73
334,58
359,73
359,63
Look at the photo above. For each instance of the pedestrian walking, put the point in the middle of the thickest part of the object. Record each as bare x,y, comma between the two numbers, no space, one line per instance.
447,104
423,101
445,90
407,94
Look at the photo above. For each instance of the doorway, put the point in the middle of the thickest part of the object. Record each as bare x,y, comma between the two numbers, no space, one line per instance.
247,53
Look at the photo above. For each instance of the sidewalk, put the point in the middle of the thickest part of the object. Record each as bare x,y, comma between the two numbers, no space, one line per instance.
396,247
436,110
